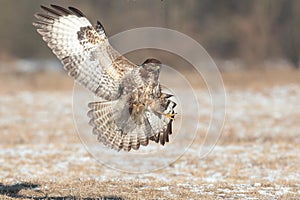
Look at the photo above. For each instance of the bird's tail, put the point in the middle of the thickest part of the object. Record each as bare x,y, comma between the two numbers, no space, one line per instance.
114,127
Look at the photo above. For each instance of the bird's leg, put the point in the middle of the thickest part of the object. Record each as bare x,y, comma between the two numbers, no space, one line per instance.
138,106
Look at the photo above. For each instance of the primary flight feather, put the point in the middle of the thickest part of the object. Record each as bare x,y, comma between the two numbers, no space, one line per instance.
134,110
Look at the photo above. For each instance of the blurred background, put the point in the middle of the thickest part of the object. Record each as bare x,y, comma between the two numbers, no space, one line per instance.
252,32
256,45
249,35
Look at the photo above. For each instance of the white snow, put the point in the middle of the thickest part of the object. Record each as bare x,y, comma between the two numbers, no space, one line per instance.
255,116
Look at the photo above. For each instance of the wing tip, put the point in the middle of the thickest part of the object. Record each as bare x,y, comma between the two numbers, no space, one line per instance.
75,11
58,11
61,9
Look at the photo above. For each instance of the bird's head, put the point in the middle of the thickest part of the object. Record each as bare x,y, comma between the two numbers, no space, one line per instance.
151,68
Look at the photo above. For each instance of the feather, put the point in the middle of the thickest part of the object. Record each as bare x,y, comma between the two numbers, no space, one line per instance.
76,11
84,50
135,110
62,10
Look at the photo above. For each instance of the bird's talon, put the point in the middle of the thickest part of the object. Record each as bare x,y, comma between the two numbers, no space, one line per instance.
171,116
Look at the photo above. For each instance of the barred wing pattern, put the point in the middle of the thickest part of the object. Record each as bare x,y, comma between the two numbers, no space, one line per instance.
84,50
134,110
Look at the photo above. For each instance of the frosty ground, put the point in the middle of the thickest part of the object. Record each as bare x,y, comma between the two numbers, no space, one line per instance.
257,156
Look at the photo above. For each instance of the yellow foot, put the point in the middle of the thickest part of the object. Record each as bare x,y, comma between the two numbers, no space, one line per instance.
171,116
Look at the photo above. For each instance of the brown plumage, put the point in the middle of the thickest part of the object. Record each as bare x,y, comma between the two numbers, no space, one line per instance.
134,110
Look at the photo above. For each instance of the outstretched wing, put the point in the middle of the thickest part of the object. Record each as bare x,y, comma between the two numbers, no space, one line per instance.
83,49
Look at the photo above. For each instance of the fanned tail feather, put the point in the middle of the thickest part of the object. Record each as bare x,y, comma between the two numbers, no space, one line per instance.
103,119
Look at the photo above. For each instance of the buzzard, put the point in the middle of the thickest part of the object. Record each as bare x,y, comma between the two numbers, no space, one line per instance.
133,109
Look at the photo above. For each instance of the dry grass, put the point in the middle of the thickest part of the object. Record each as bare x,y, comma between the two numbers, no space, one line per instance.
257,157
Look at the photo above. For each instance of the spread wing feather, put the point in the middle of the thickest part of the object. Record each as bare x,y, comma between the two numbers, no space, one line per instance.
84,50
88,57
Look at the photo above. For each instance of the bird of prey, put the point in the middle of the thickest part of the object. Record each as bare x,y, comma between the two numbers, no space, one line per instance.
133,109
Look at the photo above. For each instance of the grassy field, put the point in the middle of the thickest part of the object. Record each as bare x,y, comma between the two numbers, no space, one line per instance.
257,156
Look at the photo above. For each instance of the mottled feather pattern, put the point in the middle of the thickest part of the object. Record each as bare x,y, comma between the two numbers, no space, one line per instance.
82,50
134,109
